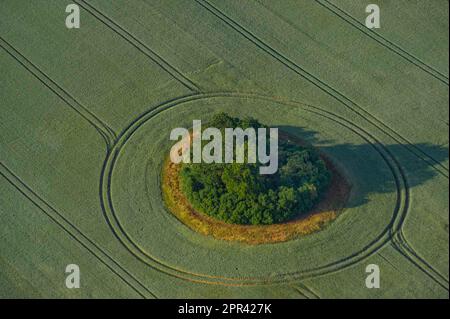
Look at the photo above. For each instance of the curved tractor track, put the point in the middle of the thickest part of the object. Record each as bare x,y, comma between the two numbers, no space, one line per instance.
406,250
394,226
344,100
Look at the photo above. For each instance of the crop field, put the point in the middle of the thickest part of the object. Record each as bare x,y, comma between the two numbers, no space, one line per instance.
85,119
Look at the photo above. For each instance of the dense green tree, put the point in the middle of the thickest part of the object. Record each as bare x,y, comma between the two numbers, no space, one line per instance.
237,193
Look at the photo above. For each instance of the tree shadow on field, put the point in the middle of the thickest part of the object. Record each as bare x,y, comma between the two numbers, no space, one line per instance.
373,173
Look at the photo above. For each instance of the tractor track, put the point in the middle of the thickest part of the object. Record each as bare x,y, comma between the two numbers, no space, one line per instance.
397,235
407,251
393,232
139,45
101,127
75,233
347,17
353,106
400,209
305,291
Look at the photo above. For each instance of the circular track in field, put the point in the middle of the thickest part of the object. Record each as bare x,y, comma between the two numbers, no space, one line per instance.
132,203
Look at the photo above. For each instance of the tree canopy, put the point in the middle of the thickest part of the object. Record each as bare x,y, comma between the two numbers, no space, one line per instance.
236,192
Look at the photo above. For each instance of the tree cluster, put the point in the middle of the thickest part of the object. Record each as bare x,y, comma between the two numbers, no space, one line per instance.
236,193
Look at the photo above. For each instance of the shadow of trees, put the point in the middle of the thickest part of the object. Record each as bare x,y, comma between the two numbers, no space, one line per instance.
374,174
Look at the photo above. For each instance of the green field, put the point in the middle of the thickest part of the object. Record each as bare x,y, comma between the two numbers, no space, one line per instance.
86,114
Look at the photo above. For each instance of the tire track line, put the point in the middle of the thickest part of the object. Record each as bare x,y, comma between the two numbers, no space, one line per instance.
75,233
406,250
353,106
305,291
139,45
396,235
299,291
384,41
101,127
394,226
401,244
401,206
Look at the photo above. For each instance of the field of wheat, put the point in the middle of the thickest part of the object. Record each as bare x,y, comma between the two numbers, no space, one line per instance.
85,119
